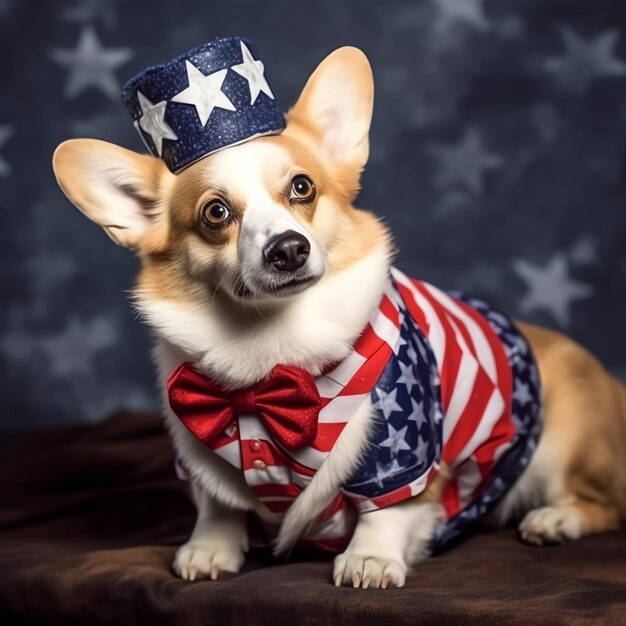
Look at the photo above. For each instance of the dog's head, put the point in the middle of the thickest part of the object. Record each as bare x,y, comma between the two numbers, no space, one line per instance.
255,223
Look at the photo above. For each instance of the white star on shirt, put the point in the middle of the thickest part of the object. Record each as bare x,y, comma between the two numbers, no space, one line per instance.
522,393
152,121
387,402
252,71
411,354
396,440
385,470
407,377
417,414
204,92
421,450
550,288
400,341
91,65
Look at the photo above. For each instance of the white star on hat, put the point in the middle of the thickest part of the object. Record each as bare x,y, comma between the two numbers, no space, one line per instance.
153,123
252,71
204,92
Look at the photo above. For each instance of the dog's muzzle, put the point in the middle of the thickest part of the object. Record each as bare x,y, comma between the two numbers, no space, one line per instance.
287,252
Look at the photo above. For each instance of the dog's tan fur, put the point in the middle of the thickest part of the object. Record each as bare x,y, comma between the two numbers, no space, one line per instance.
585,417
579,476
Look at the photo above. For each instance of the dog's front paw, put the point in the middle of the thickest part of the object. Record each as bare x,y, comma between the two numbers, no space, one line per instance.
549,525
206,557
358,570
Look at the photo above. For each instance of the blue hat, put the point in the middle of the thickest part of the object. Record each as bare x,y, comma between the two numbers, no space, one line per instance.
209,98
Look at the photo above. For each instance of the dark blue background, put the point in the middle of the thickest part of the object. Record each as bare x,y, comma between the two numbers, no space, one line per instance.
497,157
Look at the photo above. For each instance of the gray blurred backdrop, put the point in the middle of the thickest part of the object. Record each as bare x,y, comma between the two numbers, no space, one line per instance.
497,156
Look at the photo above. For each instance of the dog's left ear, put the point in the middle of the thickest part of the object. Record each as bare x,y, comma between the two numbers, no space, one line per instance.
336,107
114,187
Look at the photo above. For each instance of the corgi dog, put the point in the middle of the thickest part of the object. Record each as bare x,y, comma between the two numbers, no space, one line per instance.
254,258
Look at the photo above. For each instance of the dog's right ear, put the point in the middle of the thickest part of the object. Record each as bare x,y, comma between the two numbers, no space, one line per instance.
336,106
112,186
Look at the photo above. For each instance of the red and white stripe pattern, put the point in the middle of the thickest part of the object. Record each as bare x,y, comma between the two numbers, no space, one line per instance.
475,396
476,387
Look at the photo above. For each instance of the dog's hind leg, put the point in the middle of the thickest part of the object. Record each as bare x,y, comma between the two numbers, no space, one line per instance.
576,482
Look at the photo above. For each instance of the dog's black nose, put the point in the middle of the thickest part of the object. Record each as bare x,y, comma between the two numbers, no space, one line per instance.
288,251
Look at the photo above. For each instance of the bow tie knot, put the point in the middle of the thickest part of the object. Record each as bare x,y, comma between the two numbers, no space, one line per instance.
243,400
287,402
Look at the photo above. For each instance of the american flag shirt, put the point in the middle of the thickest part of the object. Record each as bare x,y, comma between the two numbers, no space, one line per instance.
451,380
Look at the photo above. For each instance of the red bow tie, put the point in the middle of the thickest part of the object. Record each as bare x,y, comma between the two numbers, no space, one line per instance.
287,401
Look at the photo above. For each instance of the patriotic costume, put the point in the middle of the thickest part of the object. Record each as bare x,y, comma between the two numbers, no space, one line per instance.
451,380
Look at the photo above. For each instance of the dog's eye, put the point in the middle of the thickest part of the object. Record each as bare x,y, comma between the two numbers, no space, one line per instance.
214,213
302,189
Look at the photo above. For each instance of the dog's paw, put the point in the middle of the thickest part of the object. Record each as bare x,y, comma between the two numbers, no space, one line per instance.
207,557
364,571
550,524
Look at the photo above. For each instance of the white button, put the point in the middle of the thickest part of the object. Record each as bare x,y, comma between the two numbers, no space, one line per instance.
256,445
258,464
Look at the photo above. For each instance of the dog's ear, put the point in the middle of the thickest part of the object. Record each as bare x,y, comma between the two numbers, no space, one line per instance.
112,186
336,106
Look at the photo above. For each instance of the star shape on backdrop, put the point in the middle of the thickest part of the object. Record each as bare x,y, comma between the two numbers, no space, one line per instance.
585,60
48,270
550,288
252,71
70,352
98,398
74,349
396,440
407,377
91,65
451,202
468,12
204,92
87,11
5,7
387,402
465,163
6,132
584,251
152,121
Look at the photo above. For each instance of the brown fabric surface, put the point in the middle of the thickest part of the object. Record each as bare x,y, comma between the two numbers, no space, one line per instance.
91,515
